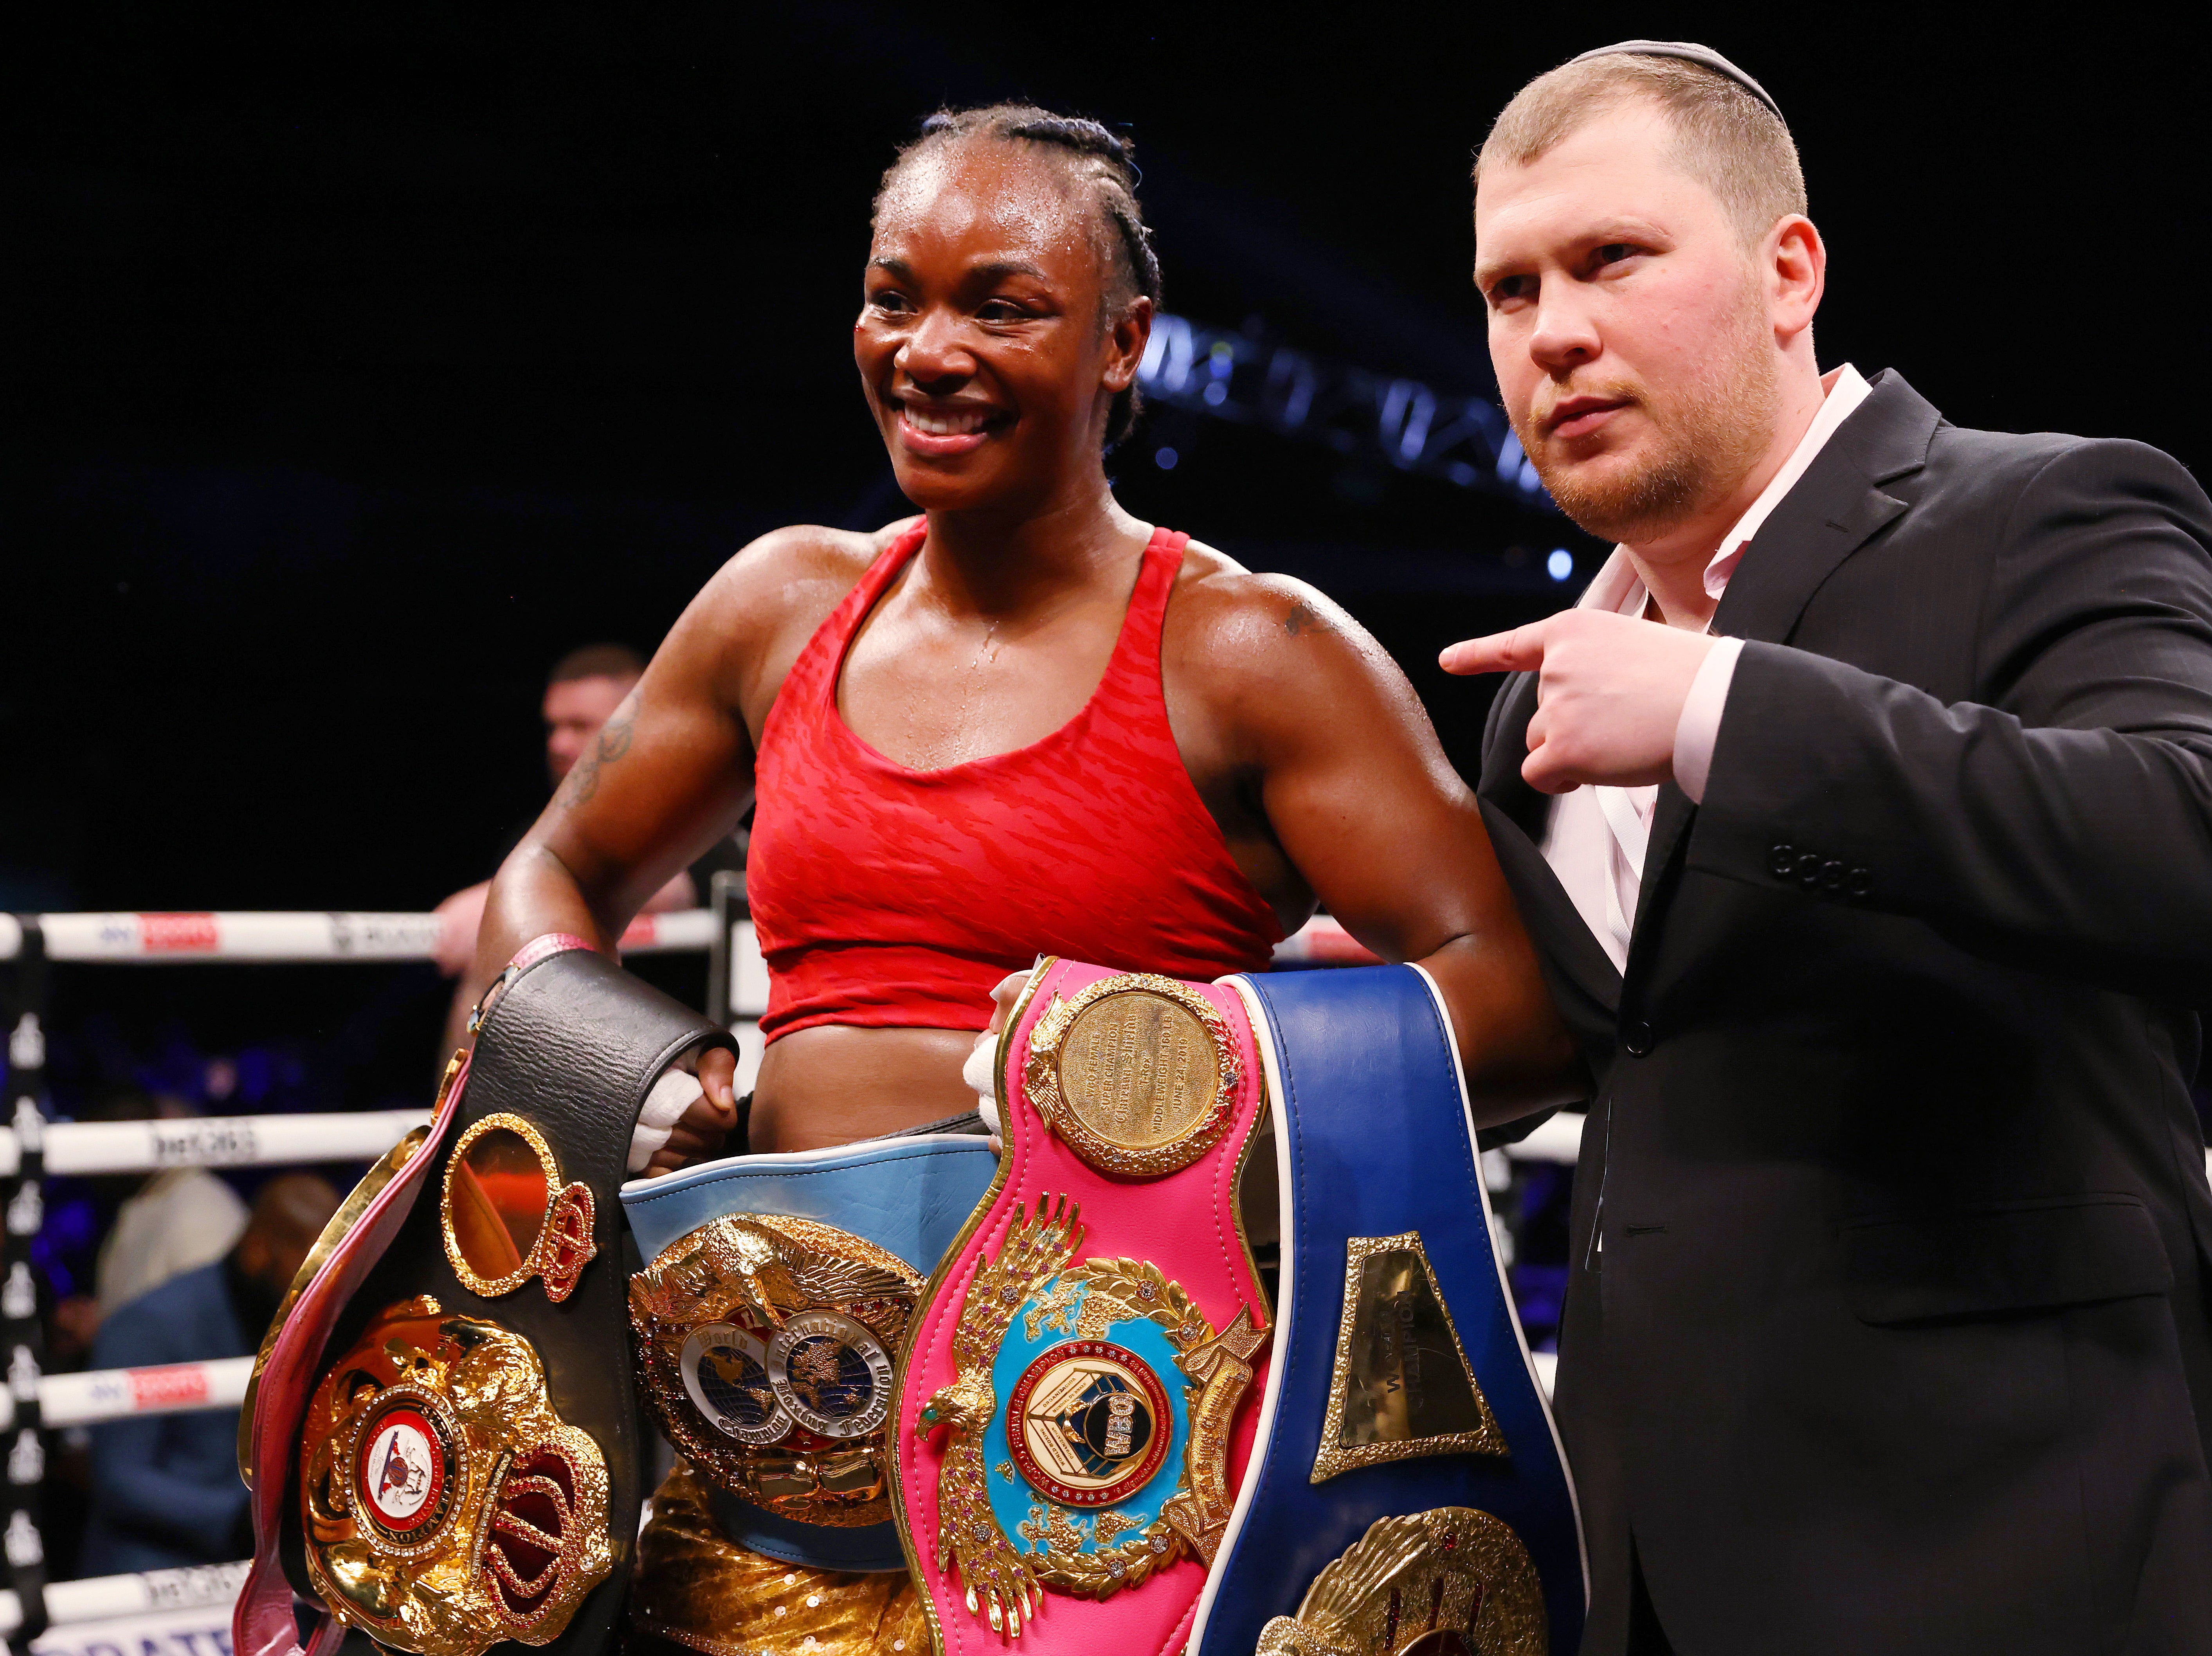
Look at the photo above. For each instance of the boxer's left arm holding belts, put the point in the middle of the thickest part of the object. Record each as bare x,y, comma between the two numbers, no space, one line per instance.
666,776
1337,754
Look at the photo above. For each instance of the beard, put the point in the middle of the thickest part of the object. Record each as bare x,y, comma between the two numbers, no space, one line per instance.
1710,431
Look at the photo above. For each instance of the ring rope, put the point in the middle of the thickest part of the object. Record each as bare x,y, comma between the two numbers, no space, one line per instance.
143,1593
299,938
201,1141
349,935
173,1388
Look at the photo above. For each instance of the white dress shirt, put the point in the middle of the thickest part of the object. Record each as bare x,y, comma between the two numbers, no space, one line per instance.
1595,837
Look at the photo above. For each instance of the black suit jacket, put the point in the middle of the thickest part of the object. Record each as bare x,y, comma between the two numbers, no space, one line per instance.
1888,1328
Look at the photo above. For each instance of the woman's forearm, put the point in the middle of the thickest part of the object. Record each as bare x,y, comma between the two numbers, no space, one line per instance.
535,893
1516,1054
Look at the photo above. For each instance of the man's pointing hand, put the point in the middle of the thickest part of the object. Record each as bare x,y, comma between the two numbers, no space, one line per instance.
1609,694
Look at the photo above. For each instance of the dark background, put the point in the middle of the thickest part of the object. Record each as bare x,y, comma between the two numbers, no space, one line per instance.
363,360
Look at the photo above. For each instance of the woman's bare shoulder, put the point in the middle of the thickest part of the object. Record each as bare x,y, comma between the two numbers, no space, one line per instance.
789,578
796,566
1284,673
749,623
1240,621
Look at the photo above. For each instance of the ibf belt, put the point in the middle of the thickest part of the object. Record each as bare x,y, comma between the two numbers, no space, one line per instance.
1076,1406
1408,1490
779,1290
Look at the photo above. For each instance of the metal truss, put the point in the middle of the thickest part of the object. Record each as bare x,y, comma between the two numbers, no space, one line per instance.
1411,427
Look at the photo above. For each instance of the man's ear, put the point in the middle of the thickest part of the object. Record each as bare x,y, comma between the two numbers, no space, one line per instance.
1126,339
1796,262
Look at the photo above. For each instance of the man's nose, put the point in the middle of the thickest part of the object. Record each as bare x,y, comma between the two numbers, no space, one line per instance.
1565,335
936,351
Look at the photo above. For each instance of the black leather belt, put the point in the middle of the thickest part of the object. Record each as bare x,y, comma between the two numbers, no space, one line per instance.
470,1470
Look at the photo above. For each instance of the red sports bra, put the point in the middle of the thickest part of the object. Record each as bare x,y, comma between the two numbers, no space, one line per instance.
887,897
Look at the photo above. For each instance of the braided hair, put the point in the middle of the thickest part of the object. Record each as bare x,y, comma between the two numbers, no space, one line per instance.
1103,161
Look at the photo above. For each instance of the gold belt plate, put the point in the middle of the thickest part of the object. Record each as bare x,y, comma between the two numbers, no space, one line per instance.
447,1506
1086,1423
1452,1581
766,1344
1136,1072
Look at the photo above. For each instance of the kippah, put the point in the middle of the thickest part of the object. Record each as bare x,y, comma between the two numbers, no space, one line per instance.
1692,52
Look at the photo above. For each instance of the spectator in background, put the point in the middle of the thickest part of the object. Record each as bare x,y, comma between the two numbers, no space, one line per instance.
164,1487
581,694
169,1222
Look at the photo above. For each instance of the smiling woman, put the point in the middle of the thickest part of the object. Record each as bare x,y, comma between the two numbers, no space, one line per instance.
1024,723
1096,161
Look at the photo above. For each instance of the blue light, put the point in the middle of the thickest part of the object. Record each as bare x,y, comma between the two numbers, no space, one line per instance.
1165,458
1560,564
1216,393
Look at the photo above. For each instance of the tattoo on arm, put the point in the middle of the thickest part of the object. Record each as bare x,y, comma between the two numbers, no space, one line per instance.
1299,619
614,740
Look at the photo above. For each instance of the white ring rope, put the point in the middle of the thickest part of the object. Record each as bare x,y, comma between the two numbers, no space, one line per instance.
341,935
233,1141
148,1592
1324,942
297,937
1559,1139
98,1394
247,1141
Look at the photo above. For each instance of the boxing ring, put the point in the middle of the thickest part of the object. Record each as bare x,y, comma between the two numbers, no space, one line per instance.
186,1612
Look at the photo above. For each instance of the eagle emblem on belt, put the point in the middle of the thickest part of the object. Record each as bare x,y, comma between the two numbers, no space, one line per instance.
766,1345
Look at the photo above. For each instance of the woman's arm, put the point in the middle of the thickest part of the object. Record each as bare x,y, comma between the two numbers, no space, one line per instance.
1275,688
671,773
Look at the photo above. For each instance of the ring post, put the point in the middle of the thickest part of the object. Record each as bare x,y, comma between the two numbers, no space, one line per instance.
20,1333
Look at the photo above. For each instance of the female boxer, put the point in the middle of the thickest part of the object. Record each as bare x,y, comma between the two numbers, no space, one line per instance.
1025,722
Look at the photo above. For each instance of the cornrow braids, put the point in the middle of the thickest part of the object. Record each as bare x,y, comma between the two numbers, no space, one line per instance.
1101,158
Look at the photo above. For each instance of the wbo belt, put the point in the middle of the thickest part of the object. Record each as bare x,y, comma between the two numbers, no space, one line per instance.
441,1447
779,1290
1408,1487
1074,1409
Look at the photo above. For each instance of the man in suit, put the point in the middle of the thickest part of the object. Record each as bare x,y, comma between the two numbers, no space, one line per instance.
1862,814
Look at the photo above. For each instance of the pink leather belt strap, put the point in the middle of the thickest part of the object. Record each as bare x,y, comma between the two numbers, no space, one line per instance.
262,1623
1154,1237
541,948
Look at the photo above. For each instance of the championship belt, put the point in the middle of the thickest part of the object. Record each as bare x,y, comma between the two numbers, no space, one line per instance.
779,1290
443,1438
1076,1404
1408,1490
